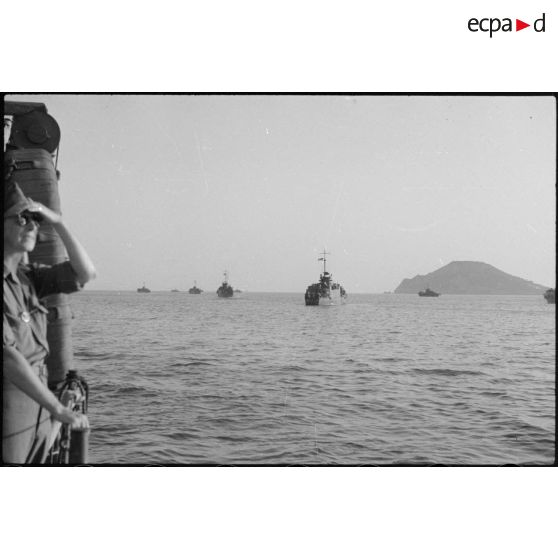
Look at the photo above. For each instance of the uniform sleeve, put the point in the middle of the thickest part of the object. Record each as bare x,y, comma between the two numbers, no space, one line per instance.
8,337
54,279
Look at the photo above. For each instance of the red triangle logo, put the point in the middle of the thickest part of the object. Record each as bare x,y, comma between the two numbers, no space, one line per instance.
519,25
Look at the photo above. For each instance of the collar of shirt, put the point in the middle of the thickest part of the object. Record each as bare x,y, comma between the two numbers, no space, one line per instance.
9,274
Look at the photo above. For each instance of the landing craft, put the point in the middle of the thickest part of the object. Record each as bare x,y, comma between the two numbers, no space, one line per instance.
550,296
326,292
195,289
428,292
225,290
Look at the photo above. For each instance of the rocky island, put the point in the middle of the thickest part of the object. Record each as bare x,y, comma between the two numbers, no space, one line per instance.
475,278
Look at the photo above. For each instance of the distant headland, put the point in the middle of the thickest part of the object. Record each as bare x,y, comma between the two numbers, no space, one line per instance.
476,278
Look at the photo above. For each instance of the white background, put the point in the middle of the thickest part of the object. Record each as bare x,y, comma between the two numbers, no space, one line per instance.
271,47
292,45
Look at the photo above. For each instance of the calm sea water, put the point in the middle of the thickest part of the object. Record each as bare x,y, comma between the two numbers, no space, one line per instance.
263,379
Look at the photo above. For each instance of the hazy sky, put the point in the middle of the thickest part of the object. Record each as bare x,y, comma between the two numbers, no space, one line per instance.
170,189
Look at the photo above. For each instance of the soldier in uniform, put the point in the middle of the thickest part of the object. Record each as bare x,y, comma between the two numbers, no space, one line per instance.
30,410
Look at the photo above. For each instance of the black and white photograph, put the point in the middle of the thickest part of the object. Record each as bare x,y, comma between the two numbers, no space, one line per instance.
279,279
270,279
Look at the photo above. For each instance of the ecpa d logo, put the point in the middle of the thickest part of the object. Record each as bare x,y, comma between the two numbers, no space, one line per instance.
492,25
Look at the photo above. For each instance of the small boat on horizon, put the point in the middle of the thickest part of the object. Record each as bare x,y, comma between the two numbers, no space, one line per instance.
143,289
225,290
428,292
195,289
326,292
550,296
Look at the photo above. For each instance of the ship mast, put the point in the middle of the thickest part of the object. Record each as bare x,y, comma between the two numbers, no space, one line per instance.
324,259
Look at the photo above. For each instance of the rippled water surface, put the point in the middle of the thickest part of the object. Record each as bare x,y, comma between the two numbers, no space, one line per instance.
263,379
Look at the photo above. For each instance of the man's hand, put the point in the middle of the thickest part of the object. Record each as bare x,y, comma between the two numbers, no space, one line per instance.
49,216
77,421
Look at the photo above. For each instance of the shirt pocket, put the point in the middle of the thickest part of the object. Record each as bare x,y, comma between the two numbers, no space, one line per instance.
36,306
